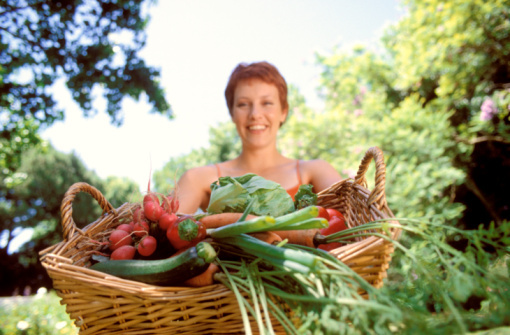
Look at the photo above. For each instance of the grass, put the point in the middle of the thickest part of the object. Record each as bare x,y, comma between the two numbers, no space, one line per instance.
38,314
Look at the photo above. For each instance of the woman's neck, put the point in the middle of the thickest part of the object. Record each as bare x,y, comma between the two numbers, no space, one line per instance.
259,161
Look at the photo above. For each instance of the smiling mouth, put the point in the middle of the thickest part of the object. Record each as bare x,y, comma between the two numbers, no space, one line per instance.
257,127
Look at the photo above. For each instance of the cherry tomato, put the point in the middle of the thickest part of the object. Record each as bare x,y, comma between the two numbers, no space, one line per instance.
201,234
323,213
333,212
329,246
336,224
186,233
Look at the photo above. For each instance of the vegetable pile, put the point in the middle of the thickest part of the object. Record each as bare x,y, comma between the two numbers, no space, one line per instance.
279,259
279,269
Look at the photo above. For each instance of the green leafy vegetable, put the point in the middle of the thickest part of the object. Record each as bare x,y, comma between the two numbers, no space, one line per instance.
233,194
305,197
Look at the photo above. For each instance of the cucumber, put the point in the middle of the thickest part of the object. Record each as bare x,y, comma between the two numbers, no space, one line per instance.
164,272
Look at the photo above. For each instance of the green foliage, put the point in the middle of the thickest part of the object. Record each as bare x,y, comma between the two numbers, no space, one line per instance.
40,314
435,97
82,42
34,201
446,280
120,190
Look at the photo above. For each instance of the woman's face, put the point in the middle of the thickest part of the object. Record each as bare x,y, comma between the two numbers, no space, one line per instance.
257,112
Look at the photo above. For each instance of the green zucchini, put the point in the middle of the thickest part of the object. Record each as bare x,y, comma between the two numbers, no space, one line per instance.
164,272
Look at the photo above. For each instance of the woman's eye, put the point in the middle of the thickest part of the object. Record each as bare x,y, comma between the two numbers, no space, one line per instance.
267,103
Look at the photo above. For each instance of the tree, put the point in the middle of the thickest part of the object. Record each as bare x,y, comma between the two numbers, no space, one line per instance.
432,98
34,203
92,45
456,55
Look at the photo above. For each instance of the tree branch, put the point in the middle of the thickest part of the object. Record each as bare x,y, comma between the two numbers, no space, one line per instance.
482,139
471,185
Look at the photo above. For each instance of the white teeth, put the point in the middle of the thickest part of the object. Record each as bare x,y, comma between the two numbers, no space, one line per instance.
258,127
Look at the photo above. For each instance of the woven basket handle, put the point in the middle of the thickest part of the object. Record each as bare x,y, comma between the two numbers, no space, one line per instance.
378,196
68,224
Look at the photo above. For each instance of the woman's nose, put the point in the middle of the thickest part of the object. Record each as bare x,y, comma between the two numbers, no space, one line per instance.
255,110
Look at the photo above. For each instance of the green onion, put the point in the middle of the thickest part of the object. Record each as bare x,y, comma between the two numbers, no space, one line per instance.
307,224
267,251
262,223
301,215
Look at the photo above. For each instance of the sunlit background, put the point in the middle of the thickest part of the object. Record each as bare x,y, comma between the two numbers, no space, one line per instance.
196,44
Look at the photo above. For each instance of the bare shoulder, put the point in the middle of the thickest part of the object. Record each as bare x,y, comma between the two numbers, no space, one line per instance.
202,171
320,173
193,188
201,176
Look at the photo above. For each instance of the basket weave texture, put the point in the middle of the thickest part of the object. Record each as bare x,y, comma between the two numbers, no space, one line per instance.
104,304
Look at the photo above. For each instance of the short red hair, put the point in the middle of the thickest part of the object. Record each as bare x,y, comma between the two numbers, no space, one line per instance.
261,70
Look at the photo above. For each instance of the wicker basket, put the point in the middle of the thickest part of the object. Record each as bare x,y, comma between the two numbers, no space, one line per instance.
104,304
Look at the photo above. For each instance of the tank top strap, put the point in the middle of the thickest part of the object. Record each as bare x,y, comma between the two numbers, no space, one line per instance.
297,171
218,169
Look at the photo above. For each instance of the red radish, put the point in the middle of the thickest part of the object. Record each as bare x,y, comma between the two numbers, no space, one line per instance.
141,229
124,252
138,215
152,210
167,220
147,246
125,226
170,204
150,197
119,238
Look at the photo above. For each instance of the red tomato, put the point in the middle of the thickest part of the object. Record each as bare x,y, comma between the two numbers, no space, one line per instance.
336,224
323,213
329,246
333,212
186,233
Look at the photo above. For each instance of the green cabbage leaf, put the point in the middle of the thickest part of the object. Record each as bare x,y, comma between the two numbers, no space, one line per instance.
233,194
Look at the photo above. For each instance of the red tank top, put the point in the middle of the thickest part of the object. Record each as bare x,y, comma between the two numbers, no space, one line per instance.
291,191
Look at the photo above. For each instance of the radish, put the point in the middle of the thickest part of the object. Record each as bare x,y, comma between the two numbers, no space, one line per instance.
150,197
167,220
152,210
141,228
125,226
119,238
147,246
138,215
124,252
151,206
170,204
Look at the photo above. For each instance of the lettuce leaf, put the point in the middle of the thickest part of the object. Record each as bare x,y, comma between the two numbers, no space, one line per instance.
305,197
233,194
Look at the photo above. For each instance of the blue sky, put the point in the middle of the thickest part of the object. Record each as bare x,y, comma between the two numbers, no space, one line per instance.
196,44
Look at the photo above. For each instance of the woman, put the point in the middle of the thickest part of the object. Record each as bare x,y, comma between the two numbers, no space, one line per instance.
256,96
